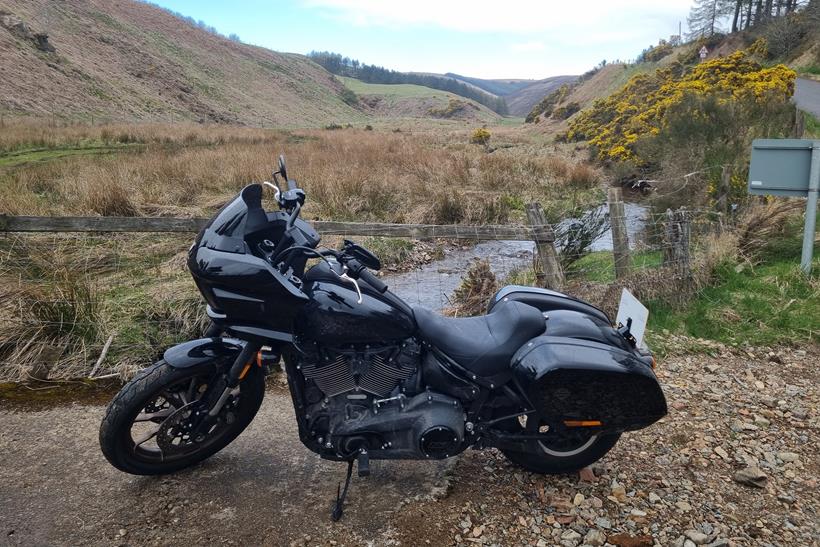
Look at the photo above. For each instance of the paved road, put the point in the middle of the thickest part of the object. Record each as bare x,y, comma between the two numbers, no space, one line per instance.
807,96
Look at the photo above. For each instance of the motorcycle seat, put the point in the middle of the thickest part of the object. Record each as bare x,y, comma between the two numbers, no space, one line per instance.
483,345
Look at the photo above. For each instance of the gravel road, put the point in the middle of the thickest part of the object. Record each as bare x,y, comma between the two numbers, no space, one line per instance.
734,463
807,95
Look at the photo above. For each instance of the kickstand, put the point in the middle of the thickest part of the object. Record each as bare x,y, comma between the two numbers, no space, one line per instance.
341,494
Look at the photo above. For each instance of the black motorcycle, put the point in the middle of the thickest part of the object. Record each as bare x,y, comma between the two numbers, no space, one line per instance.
544,377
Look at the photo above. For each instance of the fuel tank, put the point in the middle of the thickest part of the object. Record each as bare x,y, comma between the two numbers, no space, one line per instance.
333,317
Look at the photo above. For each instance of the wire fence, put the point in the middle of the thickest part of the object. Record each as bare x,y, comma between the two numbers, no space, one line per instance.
74,304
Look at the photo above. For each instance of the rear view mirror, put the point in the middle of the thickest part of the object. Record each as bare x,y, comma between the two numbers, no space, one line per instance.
282,168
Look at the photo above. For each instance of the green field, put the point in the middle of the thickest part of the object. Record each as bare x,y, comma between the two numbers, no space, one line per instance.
22,157
394,90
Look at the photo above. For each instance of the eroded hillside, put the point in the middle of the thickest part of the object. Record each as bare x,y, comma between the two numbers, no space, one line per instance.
126,60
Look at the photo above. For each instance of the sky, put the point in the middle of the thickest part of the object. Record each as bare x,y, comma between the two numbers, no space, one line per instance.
499,39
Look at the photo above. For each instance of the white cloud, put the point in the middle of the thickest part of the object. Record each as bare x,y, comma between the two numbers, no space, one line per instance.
513,16
527,47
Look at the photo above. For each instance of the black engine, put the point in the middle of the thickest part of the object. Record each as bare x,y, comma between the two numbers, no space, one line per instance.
372,399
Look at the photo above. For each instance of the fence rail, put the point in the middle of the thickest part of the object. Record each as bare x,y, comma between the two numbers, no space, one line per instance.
163,224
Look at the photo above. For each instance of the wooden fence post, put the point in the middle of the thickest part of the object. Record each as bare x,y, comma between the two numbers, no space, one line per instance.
723,189
620,237
547,268
677,234
799,123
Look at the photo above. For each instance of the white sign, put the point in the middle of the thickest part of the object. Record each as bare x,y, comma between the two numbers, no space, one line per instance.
703,52
631,308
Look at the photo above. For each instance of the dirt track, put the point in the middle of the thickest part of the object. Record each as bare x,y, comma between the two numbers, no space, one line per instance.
671,484
265,488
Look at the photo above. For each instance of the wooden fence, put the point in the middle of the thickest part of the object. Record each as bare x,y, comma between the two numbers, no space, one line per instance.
546,264
539,231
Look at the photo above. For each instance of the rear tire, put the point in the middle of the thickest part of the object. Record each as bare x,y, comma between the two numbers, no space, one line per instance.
140,397
566,457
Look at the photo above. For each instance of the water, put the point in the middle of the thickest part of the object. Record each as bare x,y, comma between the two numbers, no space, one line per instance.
636,216
432,286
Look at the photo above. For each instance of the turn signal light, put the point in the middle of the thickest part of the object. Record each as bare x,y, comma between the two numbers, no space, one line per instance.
582,423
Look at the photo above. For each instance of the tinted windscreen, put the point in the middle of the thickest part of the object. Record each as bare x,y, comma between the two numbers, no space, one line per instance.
230,221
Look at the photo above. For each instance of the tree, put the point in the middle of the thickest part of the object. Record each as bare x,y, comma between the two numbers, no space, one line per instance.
705,16
738,5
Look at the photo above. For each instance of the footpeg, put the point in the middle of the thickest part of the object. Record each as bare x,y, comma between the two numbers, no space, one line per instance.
363,459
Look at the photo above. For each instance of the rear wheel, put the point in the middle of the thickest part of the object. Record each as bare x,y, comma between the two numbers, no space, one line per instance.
155,423
564,451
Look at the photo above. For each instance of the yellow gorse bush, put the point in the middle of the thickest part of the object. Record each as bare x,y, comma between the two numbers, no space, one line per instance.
614,125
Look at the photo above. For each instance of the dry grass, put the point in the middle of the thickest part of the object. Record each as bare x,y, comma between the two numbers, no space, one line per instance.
760,222
36,133
348,174
50,309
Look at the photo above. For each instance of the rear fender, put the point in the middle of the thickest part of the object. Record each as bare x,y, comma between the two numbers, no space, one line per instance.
222,351
570,380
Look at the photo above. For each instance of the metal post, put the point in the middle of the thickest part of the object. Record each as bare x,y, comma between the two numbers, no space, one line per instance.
811,209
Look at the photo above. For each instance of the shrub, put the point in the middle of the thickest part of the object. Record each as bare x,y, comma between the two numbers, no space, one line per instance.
480,136
615,124
476,289
349,97
582,176
454,107
575,236
566,111
548,103
656,53
782,36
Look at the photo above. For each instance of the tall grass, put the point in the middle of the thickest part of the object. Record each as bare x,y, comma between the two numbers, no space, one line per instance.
348,175
50,312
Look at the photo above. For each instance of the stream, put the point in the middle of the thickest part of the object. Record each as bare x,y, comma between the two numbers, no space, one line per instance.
432,285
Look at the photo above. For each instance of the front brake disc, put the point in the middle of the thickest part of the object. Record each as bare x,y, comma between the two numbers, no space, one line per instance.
178,433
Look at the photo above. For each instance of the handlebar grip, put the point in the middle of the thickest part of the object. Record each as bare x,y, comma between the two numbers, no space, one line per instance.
372,280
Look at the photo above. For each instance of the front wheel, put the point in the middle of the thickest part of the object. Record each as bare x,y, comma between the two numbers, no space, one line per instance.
154,424
564,452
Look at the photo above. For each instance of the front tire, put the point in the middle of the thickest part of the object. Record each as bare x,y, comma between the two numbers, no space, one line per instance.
566,453
134,434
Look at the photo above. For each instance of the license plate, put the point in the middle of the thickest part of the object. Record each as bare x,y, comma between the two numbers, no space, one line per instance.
631,308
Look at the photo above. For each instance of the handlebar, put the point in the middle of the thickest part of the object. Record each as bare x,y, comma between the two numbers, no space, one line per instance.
358,271
372,280
292,184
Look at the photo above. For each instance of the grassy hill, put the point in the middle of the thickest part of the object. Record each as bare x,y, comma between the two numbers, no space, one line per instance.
500,87
415,101
520,94
521,101
126,60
